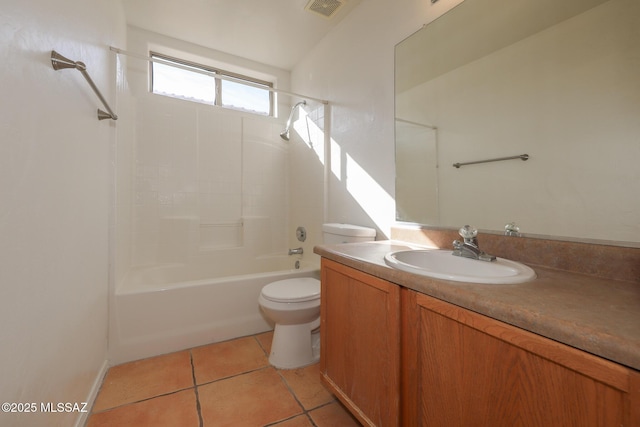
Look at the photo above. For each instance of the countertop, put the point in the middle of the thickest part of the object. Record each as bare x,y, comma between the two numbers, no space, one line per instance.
596,315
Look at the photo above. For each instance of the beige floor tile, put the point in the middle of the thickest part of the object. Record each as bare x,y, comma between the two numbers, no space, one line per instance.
253,399
306,385
332,415
177,409
143,379
226,359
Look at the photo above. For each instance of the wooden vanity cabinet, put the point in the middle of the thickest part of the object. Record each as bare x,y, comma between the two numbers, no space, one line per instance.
360,343
396,357
461,368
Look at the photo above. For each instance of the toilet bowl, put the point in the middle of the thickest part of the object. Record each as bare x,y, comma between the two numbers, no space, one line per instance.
294,306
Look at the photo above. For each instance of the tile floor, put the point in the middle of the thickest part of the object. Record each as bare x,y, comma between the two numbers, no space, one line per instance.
224,384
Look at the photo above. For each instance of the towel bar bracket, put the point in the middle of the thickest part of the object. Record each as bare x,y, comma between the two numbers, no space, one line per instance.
59,62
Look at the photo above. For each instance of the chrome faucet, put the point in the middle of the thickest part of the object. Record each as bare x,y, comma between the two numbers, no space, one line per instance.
296,251
469,248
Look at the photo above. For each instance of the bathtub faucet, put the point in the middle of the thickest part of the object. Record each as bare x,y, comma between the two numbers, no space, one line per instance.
296,251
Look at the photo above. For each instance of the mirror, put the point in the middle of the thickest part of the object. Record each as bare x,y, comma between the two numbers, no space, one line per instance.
559,81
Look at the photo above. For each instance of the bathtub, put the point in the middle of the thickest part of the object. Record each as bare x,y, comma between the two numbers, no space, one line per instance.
166,308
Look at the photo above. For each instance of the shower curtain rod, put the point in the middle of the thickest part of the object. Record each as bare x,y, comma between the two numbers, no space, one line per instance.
218,76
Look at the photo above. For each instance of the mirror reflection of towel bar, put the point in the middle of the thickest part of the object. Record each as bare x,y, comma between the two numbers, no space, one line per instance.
499,159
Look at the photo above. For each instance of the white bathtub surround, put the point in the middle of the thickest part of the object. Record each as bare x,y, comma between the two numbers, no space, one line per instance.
167,308
209,220
206,178
200,293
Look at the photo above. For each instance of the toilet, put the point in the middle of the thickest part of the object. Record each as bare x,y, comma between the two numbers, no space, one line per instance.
294,306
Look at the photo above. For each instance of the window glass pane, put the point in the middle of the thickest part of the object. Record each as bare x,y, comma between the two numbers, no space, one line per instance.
243,97
184,84
186,81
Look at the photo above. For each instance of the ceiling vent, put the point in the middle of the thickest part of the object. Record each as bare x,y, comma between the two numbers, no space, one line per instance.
325,8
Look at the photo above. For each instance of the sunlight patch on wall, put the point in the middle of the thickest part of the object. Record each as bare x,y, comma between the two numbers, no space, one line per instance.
311,134
373,199
336,160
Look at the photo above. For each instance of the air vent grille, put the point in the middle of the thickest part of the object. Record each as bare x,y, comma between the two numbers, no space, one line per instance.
325,8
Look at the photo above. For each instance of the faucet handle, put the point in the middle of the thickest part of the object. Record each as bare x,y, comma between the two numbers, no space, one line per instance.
468,232
512,229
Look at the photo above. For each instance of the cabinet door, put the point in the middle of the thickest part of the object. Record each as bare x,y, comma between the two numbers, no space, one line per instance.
360,343
470,370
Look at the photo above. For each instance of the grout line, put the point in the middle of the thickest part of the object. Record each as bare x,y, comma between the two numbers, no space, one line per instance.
286,384
143,400
235,375
306,412
195,388
275,423
280,375
313,423
255,337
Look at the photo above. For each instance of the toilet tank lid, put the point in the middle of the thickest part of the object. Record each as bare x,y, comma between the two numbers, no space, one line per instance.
292,290
348,230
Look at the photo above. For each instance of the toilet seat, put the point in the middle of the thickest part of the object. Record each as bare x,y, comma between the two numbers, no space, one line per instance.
292,290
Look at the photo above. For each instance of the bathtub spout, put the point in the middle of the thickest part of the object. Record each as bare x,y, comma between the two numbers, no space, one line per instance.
296,251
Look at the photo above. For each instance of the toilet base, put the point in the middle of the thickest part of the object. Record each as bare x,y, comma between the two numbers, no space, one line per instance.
294,346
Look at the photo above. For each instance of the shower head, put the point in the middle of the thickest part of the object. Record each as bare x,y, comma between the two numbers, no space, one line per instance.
285,133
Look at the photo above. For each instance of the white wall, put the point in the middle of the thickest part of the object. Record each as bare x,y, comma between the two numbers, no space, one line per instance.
55,201
353,68
307,177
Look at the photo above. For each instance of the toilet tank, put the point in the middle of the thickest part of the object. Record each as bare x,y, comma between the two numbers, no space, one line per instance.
346,233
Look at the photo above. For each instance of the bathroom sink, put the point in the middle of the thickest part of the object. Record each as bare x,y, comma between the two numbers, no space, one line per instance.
441,264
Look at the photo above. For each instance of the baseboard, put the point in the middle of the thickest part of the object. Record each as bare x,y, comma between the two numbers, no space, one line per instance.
93,393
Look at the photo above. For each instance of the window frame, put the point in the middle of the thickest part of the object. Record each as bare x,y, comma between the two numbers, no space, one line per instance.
216,73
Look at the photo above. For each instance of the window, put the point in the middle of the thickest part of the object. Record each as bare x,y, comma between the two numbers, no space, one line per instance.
193,82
